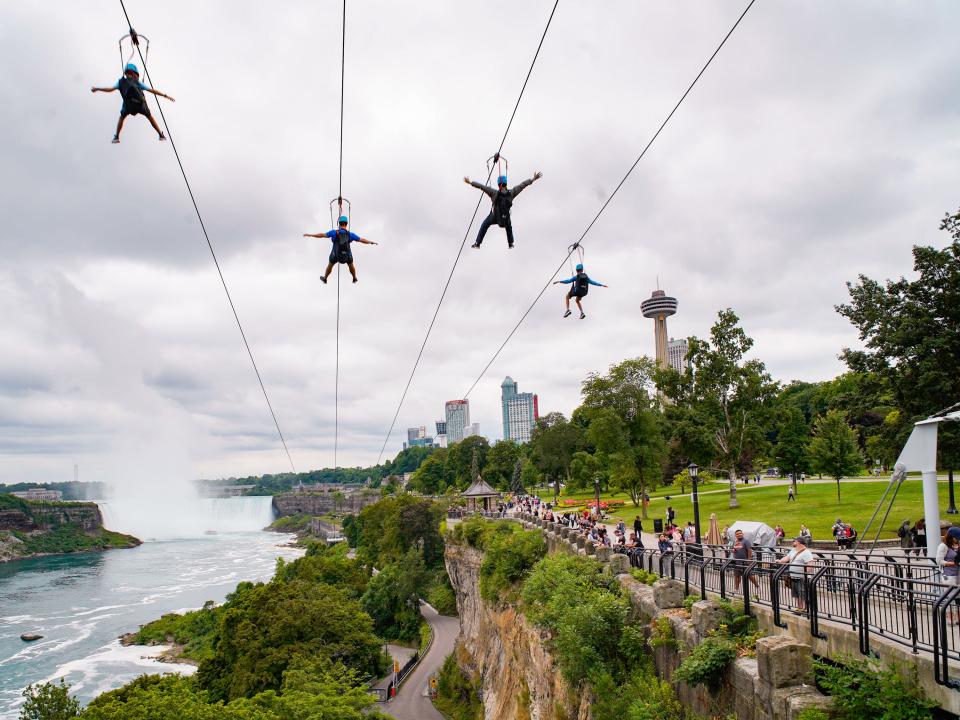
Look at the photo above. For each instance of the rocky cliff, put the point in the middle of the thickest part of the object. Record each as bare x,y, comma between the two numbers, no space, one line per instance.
294,503
44,528
518,678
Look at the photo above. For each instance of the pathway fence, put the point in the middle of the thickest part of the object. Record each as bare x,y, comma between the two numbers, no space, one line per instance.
893,595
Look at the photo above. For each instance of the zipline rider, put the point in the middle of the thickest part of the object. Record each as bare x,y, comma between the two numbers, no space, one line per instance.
341,238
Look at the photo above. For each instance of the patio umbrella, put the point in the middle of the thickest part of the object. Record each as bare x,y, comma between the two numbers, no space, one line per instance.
713,534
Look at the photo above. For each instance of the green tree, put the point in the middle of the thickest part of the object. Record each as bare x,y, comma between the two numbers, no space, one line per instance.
721,403
392,598
635,452
501,461
911,333
553,442
434,476
460,458
49,702
793,439
834,450
584,467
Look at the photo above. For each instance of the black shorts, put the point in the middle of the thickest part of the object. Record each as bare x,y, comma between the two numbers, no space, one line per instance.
573,294
135,110
341,258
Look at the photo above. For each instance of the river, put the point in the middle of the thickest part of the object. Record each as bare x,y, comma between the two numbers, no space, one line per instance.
82,603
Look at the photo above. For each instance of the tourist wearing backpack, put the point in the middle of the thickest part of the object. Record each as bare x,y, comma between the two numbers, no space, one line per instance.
502,199
134,102
340,252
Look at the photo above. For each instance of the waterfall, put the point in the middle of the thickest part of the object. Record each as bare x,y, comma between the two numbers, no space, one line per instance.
160,517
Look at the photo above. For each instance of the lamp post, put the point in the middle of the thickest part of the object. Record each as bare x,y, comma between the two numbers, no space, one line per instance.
596,485
692,468
952,510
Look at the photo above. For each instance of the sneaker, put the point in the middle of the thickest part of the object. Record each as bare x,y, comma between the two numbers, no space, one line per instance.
116,139
509,246
476,246
567,313
355,279
161,137
323,279
582,315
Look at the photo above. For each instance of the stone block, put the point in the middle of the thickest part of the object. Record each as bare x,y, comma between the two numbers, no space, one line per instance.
590,546
603,553
743,671
564,532
668,593
799,702
707,616
619,564
784,661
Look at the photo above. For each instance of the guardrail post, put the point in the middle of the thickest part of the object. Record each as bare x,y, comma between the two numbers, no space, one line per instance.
775,595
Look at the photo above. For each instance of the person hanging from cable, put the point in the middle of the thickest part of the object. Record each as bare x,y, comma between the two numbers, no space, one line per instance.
581,285
341,238
134,101
502,199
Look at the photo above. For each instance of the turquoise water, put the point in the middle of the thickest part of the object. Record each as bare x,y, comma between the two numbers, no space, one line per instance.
82,603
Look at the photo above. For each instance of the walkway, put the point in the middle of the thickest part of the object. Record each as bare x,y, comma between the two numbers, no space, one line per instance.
413,700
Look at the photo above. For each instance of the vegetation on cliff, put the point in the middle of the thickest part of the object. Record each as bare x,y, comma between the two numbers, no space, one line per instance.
29,528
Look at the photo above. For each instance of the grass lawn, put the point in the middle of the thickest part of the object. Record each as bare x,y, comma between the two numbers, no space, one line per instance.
816,506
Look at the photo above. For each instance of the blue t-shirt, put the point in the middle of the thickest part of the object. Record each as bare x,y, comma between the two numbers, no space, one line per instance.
332,234
589,280
116,85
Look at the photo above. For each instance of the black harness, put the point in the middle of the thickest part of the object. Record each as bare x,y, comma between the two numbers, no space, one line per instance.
501,207
341,245
131,93
581,284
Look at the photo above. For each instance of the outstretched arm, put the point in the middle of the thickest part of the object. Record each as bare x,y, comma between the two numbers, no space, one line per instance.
517,189
159,94
108,89
316,235
365,241
564,282
594,282
480,186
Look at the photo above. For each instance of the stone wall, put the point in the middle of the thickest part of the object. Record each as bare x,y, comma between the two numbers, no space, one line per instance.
287,504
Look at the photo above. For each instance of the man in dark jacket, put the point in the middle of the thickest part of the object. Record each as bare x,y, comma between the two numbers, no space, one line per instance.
502,199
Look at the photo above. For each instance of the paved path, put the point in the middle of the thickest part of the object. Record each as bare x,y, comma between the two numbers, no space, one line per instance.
398,654
413,700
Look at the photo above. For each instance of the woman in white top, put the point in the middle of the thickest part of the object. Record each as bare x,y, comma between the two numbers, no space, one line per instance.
948,555
800,559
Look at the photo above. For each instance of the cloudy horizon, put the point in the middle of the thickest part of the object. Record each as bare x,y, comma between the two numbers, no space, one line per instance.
821,144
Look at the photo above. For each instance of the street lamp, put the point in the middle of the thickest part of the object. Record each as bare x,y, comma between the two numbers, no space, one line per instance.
692,468
596,485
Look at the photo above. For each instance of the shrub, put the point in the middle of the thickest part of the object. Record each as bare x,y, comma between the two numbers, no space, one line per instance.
707,662
49,702
457,697
814,714
647,578
442,598
689,600
662,634
508,558
860,690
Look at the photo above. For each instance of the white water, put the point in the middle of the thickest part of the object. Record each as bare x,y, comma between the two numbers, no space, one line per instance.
162,517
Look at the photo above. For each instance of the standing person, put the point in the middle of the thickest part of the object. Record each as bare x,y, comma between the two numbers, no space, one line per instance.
581,285
919,533
742,553
790,496
340,251
622,527
671,514
637,526
134,101
800,559
502,199
906,538
947,559
839,533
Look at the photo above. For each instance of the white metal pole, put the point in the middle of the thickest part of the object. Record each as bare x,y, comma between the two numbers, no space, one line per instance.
931,511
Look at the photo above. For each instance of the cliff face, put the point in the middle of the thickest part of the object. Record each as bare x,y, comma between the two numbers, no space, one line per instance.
287,504
518,677
28,529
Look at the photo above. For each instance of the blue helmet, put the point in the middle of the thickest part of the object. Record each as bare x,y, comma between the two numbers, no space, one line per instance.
579,267
343,220
502,180
132,68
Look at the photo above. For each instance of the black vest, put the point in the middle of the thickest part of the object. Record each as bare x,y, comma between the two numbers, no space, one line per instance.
501,206
131,93
581,285
341,244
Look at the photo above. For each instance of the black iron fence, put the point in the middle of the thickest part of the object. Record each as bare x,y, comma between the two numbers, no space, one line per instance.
898,597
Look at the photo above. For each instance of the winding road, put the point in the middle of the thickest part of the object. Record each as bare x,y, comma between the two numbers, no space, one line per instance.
413,700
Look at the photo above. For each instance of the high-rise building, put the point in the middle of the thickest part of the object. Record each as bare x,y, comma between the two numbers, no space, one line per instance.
441,427
659,307
677,354
458,418
416,433
471,429
520,411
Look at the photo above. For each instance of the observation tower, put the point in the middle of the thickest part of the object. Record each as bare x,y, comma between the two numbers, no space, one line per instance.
658,307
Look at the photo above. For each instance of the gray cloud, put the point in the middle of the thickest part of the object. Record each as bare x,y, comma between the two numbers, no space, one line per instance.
819,145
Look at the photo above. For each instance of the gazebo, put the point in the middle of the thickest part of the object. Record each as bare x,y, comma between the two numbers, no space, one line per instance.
480,496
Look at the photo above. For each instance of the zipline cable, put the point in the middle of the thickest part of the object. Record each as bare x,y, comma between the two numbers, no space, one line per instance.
213,254
577,245
466,235
336,386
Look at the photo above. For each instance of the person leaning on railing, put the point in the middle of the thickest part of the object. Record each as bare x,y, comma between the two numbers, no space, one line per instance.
947,558
799,559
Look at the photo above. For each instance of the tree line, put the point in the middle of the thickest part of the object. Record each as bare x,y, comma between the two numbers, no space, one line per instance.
639,425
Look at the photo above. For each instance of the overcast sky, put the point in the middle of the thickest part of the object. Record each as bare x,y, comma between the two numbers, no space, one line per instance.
821,143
